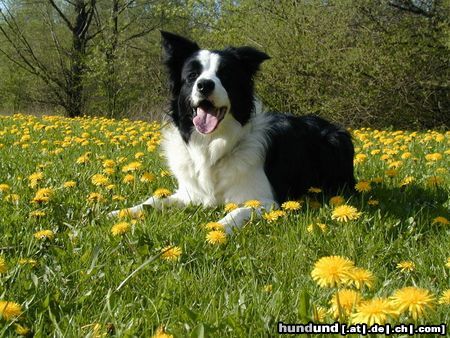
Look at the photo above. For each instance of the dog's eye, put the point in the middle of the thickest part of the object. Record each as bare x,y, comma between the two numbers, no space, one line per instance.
192,76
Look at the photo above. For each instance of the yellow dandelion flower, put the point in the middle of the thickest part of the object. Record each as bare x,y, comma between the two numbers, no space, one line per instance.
99,180
83,159
214,226
406,266
377,180
395,164
43,195
109,171
291,205
373,202
319,314
3,265
128,178
69,184
322,226
407,181
345,213
268,288
360,277
121,159
22,330
336,201
406,155
95,197
35,178
433,157
165,173
331,271
445,298
439,138
171,253
118,198
274,215
133,166
120,228
435,181
414,300
441,220
162,193
360,158
138,155
216,237
252,204
441,170
447,264
161,333
44,234
391,172
124,213
230,207
12,198
343,302
108,164
28,261
37,213
147,177
4,187
374,311
314,190
363,186
9,310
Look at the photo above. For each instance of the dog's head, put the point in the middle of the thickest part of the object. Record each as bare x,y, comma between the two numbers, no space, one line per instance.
209,87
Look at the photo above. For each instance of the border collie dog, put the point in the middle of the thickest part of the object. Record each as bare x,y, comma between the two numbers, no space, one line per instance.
222,149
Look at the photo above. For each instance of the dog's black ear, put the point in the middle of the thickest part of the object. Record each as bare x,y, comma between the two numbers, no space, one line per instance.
176,50
251,57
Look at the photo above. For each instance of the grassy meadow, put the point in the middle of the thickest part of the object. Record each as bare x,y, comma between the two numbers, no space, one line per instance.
67,270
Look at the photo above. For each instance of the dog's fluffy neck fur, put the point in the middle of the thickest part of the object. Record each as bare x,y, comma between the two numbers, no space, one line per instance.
211,164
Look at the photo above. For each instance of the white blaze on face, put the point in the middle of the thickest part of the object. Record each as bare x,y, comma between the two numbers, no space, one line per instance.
210,65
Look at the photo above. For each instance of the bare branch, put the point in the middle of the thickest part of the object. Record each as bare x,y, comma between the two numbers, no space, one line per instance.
61,14
408,6
140,34
125,6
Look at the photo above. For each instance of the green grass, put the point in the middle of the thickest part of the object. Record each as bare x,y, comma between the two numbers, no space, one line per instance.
218,290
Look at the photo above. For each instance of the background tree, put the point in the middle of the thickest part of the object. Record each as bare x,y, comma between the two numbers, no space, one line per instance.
68,37
358,62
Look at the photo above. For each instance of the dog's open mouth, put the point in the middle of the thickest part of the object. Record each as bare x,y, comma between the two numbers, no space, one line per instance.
207,117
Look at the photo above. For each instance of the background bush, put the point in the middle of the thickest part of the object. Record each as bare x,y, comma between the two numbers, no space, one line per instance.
362,62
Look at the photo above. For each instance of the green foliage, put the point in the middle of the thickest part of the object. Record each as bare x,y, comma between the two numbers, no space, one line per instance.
356,62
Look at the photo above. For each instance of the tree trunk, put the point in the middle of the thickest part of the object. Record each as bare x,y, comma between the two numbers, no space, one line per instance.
75,88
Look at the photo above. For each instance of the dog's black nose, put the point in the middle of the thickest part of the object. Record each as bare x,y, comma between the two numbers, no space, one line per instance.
205,87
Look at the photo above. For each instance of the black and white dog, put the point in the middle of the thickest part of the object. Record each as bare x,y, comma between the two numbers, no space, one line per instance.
222,149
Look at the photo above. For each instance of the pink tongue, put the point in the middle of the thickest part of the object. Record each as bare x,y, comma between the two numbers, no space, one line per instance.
206,121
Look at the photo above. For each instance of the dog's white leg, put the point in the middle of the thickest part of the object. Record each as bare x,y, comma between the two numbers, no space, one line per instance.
237,217
158,203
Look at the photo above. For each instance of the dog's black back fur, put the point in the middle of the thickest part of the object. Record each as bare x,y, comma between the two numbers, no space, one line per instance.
308,152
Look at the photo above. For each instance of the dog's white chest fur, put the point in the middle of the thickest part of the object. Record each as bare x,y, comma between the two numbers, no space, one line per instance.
226,166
